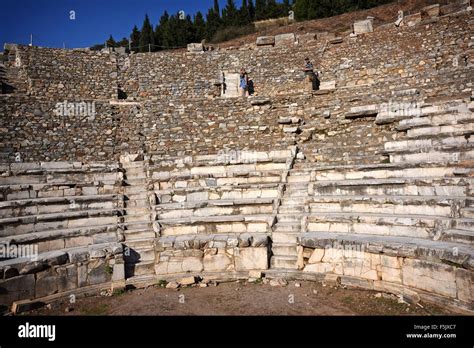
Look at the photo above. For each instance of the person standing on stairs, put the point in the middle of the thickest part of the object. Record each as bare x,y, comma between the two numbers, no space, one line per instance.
311,77
244,82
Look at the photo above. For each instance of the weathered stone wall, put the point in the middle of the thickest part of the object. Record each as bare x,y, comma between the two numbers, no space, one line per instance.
32,130
62,74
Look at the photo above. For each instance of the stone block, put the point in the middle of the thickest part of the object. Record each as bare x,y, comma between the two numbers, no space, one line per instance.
464,285
327,85
430,11
192,264
195,47
432,277
251,259
217,263
17,288
316,256
362,27
412,20
265,41
285,39
319,268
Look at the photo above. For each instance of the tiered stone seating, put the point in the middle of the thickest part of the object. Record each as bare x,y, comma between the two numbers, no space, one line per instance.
218,202
421,199
67,215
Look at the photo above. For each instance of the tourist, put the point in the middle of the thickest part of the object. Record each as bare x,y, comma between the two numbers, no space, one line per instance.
310,76
244,82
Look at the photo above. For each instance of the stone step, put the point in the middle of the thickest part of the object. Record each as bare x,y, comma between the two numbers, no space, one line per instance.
286,262
231,174
431,250
137,210
468,212
52,235
214,211
128,190
245,191
266,218
141,182
380,224
139,268
138,170
388,172
295,194
453,130
297,209
38,223
138,203
139,243
49,210
59,200
290,218
296,186
294,201
134,165
284,249
417,145
434,156
447,208
287,227
136,226
295,177
435,120
384,171
284,238
459,236
214,203
139,234
137,218
396,186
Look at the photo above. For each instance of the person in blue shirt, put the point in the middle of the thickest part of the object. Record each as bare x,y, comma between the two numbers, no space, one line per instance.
244,82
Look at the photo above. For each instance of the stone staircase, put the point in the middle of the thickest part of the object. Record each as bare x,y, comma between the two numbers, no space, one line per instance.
139,252
290,221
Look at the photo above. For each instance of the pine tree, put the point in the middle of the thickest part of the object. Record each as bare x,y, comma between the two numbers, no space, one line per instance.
272,9
216,8
146,36
162,31
230,15
111,42
135,39
301,9
244,15
251,8
260,10
199,27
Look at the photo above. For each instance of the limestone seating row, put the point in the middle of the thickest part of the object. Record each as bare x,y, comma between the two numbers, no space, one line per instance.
60,271
442,269
226,198
372,209
57,205
435,186
26,207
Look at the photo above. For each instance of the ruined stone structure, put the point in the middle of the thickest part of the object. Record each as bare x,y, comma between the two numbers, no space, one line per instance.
128,169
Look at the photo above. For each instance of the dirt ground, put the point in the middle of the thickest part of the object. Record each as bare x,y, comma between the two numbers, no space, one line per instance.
242,298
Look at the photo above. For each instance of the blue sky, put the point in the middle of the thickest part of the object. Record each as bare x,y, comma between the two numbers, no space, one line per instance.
48,20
